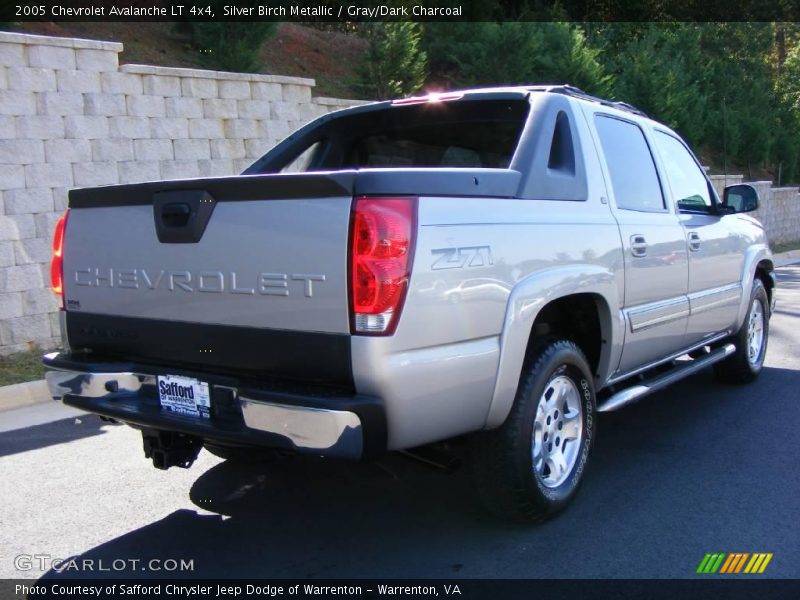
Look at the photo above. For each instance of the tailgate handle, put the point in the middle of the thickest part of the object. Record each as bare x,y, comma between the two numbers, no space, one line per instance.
175,214
181,216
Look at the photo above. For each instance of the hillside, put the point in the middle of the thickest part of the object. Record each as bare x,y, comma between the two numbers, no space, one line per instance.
329,57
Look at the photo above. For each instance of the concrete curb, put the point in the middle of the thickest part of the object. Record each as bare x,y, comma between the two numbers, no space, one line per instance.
34,392
23,394
787,258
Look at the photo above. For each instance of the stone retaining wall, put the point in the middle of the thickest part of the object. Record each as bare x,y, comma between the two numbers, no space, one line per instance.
71,116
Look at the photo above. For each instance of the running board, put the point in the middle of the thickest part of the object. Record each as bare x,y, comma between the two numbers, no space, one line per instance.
644,388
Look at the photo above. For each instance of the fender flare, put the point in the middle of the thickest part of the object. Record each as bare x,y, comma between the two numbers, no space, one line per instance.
527,299
754,255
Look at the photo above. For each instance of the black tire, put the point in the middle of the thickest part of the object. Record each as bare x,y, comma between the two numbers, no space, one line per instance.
502,460
739,367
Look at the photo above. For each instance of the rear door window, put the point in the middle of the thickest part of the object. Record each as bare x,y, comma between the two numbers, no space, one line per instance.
630,164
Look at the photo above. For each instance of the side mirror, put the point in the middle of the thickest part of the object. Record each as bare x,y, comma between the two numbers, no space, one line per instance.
740,198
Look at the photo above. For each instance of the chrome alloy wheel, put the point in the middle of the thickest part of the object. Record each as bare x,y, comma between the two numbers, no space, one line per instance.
557,431
755,332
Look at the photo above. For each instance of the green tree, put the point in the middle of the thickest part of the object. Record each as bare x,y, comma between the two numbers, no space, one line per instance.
661,70
789,82
516,52
231,45
743,108
721,85
787,147
394,64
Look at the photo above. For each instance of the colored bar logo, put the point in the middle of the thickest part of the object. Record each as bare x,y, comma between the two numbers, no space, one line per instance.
735,562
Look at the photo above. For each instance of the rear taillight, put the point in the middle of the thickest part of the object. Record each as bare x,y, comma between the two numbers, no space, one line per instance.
57,262
381,250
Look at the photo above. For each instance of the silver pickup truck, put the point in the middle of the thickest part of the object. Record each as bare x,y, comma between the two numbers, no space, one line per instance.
504,263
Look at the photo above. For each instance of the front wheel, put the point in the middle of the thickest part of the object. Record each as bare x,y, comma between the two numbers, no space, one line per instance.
530,468
744,365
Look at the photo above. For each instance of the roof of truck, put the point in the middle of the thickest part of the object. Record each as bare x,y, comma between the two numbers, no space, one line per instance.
564,89
569,90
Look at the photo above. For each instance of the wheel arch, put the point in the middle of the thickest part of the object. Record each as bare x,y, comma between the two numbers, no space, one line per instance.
534,301
758,263
765,271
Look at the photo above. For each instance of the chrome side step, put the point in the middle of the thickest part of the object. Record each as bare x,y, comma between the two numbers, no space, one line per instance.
642,389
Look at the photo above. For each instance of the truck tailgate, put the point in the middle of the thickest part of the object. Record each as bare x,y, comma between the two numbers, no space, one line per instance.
272,256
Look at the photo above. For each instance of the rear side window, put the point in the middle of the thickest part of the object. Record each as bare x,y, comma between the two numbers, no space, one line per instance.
630,165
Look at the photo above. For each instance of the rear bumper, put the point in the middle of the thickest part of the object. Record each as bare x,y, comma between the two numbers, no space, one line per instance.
328,423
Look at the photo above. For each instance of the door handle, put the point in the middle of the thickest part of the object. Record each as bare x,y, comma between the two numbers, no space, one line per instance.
694,241
638,245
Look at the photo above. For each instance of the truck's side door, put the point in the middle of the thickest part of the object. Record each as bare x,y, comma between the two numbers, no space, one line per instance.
656,306
716,251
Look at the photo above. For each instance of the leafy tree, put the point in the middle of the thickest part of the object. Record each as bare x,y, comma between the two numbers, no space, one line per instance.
662,71
231,45
721,85
394,64
789,83
516,52
742,105
787,147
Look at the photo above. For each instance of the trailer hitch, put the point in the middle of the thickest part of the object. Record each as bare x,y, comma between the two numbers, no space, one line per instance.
170,449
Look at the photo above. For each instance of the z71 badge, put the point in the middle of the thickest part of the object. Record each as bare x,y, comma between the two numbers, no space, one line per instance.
459,258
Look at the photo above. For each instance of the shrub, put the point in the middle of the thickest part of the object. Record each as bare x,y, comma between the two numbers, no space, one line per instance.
231,46
394,64
470,54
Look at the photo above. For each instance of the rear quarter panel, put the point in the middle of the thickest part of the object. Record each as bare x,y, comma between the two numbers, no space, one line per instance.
460,335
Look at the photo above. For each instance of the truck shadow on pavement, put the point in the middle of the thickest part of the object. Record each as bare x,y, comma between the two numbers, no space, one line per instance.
394,518
62,431
789,277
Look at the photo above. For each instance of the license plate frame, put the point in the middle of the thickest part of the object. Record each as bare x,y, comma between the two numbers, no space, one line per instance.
185,396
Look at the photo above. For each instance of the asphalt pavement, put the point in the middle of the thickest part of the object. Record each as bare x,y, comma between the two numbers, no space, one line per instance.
698,468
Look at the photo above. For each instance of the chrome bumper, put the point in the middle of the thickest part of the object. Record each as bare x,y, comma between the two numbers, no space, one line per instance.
94,385
329,432
311,430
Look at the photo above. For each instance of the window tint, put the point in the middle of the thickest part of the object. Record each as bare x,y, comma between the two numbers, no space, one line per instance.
489,143
630,164
462,133
689,185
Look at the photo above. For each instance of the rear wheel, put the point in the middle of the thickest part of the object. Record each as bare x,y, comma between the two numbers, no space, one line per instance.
529,469
744,365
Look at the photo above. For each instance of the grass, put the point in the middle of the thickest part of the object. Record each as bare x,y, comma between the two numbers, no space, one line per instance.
21,366
786,247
